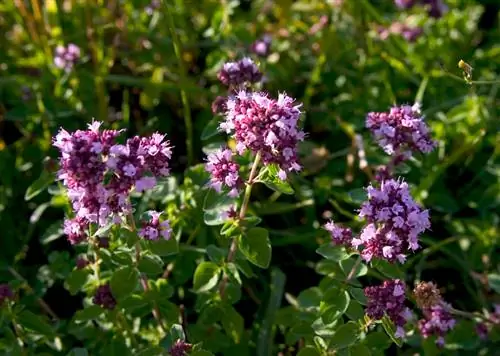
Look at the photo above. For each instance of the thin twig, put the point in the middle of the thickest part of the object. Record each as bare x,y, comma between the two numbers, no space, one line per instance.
40,301
243,211
353,270
143,278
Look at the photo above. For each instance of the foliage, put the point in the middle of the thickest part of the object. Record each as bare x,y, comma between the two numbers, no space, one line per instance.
256,272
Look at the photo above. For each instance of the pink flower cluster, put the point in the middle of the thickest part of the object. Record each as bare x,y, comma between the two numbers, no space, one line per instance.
394,222
5,293
154,228
238,73
262,124
388,299
437,321
224,172
398,28
340,235
66,57
262,46
99,173
435,8
400,131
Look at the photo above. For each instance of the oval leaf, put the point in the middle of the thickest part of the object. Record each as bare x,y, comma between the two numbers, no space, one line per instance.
256,247
123,282
38,186
35,323
345,336
206,276
333,253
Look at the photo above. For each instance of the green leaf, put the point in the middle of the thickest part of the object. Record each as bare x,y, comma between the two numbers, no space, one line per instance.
206,276
308,351
265,337
232,322
198,175
104,230
359,350
310,298
89,313
377,341
76,280
334,305
164,247
35,323
133,302
494,282
201,353
332,252
390,270
345,336
211,128
175,333
151,265
358,196
38,186
123,282
358,294
215,207
256,247
355,311
269,177
229,227
151,351
390,329
232,271
216,254
78,351
347,265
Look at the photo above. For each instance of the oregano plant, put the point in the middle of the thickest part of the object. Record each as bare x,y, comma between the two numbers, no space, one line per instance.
246,241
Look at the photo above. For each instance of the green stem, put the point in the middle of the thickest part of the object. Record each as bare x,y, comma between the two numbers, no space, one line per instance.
121,320
243,210
467,314
188,122
30,290
143,278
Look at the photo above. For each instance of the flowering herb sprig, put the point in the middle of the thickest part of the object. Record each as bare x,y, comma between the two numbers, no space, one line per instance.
100,173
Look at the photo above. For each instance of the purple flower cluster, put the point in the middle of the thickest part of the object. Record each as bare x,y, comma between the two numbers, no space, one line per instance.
238,73
5,293
483,328
219,105
398,28
437,321
435,8
224,171
152,7
340,235
180,348
99,173
152,229
76,229
104,297
265,125
388,299
394,222
81,262
66,57
401,130
262,46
